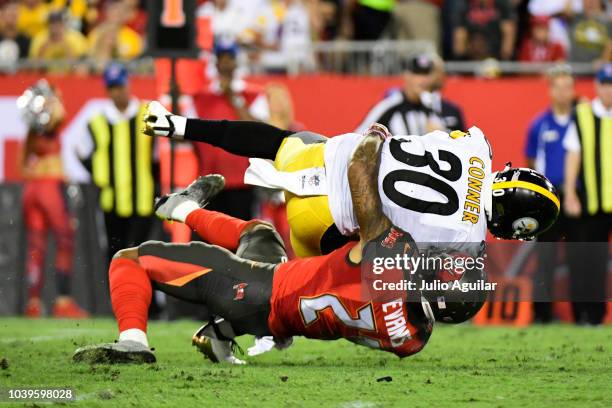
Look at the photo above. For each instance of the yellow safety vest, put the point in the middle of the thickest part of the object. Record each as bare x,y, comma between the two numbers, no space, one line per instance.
380,5
596,141
122,165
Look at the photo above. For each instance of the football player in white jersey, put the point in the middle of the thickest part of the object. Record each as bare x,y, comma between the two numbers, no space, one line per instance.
439,186
433,184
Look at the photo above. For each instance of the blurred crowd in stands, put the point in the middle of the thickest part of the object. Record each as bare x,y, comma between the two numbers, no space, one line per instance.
524,30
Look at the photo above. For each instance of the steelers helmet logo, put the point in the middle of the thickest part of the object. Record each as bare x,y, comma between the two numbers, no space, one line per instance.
525,226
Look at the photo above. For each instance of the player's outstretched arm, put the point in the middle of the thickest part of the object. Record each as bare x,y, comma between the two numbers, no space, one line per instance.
244,138
363,182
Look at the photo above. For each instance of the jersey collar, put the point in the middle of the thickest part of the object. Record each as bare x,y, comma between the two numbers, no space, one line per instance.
600,110
114,116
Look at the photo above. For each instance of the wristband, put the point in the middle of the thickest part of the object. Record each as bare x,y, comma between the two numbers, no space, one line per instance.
180,123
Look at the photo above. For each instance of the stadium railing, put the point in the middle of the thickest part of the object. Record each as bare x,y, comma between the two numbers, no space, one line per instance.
347,57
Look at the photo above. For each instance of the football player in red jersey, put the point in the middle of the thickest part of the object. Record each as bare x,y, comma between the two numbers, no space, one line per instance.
44,203
324,297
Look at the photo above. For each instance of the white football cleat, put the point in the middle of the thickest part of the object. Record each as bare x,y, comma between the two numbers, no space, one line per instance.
158,121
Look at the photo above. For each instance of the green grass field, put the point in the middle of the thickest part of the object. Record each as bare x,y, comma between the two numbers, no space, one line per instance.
555,366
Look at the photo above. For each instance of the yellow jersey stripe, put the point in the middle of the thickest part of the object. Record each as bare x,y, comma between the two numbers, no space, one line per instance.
101,134
529,186
606,164
101,159
122,168
144,179
587,127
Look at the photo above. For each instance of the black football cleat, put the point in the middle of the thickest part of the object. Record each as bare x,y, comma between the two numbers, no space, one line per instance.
201,191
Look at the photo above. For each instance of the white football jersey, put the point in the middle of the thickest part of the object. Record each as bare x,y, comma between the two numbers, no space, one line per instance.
432,186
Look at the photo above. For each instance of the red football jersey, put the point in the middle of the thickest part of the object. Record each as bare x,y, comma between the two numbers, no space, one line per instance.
46,144
329,297
43,159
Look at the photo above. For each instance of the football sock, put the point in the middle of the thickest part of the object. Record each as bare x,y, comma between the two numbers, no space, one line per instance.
182,210
134,335
130,290
244,138
217,228
180,123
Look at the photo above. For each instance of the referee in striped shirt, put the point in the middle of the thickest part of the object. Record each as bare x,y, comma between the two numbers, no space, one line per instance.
417,108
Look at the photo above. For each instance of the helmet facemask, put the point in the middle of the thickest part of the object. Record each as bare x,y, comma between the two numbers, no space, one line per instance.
449,304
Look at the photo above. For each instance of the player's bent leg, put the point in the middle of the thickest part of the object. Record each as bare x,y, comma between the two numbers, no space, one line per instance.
233,288
300,151
248,139
310,220
244,138
217,228
198,194
309,217
253,240
260,242
132,274
131,293
213,227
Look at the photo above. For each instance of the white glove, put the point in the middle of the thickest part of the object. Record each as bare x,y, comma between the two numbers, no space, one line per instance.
262,345
159,122
267,343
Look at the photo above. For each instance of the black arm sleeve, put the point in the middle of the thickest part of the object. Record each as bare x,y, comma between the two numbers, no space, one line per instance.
244,138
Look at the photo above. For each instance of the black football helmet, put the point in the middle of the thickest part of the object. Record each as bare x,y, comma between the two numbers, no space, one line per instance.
523,204
464,293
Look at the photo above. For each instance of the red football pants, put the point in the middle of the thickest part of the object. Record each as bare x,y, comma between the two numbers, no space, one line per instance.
44,209
171,267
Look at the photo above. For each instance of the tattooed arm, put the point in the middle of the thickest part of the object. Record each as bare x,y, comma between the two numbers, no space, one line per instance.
363,182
